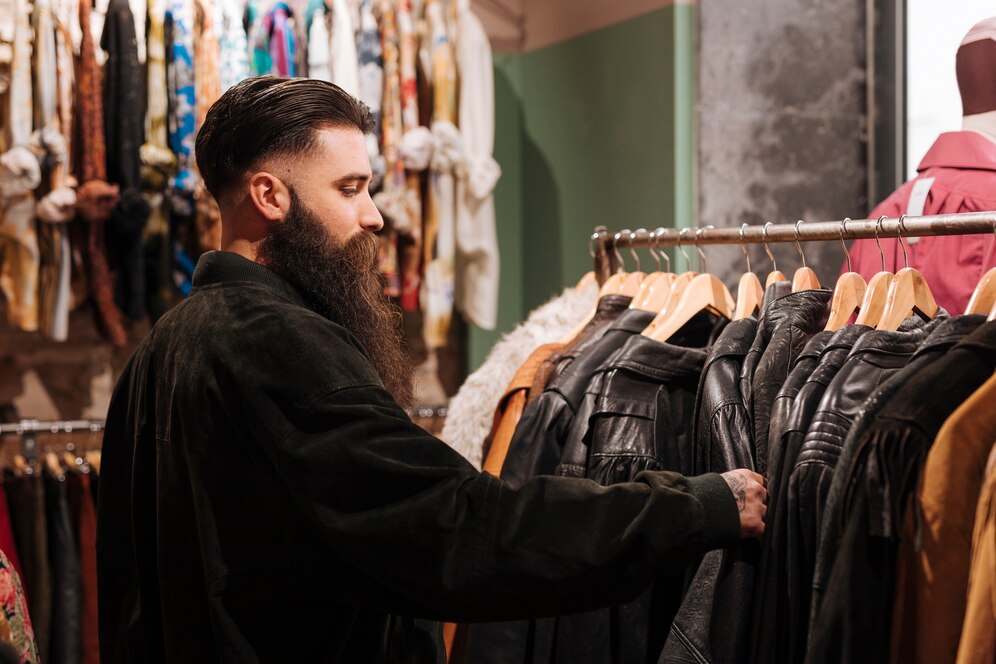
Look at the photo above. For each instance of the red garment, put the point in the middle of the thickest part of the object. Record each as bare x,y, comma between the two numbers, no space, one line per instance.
84,515
7,544
963,165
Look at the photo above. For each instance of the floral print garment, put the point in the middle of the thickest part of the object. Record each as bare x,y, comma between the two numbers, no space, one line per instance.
15,623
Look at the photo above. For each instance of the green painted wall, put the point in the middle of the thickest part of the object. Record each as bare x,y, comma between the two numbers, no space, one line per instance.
595,130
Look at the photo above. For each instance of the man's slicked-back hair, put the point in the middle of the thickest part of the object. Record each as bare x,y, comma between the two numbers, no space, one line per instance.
270,116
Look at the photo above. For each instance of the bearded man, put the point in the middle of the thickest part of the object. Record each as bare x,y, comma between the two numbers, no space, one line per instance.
265,497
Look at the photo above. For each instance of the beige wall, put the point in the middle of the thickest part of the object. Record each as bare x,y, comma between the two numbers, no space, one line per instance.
516,25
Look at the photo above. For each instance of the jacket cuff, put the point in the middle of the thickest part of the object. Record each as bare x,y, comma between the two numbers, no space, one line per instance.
719,508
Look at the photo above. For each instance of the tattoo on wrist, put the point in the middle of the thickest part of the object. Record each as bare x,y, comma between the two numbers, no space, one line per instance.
739,488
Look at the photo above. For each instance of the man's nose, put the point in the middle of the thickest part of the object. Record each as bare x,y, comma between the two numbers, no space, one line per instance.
371,220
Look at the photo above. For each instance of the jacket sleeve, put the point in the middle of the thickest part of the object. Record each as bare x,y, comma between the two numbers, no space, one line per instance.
421,532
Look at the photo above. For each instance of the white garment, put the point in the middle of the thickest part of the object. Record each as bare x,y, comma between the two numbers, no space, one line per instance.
21,91
345,62
476,236
472,409
138,10
97,19
319,66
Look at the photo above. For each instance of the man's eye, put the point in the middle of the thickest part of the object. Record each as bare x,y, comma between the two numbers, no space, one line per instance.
349,192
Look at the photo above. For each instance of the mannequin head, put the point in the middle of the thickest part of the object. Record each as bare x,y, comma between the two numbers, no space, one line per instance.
976,71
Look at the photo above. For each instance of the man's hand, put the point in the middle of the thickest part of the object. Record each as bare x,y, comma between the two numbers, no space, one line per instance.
751,495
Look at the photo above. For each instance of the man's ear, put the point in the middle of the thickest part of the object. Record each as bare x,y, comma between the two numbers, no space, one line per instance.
269,195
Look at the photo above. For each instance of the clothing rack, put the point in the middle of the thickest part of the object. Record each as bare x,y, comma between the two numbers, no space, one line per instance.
604,245
28,430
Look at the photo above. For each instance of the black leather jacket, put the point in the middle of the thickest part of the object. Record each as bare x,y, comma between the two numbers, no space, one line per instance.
636,416
721,425
853,622
782,333
711,610
770,619
609,308
944,336
539,437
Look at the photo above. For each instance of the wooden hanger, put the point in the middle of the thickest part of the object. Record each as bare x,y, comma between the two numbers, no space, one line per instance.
611,286
873,303
848,293
804,277
705,292
53,464
656,286
775,275
631,284
848,296
984,296
908,291
586,280
750,294
992,314
93,460
877,290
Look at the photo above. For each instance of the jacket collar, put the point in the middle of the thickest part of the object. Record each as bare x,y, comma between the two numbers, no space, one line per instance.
216,267
949,332
735,340
904,341
656,360
960,149
983,340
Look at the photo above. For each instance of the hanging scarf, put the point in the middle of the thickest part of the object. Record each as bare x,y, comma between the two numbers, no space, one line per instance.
440,238
234,44
206,57
19,176
89,143
182,90
157,100
278,34
319,64
21,90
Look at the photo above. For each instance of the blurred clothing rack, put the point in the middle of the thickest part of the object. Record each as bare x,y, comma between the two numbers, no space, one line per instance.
29,430
604,244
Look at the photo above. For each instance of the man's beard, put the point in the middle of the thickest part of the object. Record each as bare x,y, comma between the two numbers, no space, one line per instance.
341,282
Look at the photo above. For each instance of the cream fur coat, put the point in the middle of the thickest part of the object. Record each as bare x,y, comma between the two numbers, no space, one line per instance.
472,409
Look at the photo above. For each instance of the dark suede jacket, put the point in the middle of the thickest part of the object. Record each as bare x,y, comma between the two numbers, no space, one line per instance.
263,498
854,619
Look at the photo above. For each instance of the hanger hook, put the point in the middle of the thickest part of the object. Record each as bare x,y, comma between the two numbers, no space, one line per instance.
615,249
632,247
591,244
878,225
899,231
767,249
658,234
843,230
702,255
681,248
743,247
650,249
798,246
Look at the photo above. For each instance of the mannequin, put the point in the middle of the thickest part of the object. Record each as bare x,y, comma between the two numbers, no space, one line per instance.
958,174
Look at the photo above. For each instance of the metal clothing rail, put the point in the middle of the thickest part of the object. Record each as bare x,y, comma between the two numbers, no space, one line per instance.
28,430
36,427
604,245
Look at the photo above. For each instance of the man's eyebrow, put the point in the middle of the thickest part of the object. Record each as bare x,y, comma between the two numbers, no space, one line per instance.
354,177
